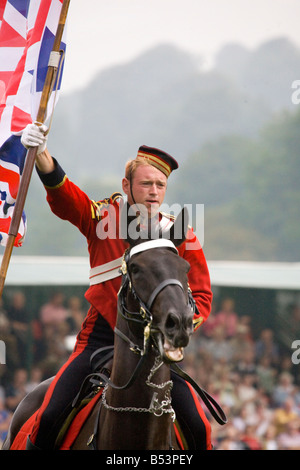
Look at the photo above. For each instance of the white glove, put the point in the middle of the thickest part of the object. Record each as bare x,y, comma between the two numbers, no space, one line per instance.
34,136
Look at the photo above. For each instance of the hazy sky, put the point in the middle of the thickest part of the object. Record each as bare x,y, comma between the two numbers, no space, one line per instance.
102,33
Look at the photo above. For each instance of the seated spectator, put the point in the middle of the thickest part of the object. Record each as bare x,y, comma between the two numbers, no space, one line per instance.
266,375
231,440
75,314
247,393
19,320
16,391
227,317
241,342
246,362
56,353
54,312
249,438
262,417
289,439
284,414
266,346
269,440
36,377
218,346
284,389
5,419
9,339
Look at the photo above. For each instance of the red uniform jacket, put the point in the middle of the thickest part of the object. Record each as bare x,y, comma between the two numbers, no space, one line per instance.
70,203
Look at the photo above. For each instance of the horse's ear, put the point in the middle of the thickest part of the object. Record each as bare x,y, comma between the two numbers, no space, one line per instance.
129,225
178,232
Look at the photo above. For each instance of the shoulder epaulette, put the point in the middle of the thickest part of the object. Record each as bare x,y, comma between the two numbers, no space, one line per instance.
172,217
97,206
169,216
197,322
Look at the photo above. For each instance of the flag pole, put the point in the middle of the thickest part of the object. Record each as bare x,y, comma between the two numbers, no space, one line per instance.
31,154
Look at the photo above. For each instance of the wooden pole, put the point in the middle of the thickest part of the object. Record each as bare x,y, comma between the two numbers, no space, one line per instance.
31,154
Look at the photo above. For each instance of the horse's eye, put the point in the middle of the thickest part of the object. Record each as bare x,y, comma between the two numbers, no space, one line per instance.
134,269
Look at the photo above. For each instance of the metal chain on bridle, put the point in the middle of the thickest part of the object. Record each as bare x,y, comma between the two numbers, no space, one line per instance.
157,408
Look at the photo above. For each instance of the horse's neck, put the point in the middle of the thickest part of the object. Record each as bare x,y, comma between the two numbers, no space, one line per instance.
150,379
132,410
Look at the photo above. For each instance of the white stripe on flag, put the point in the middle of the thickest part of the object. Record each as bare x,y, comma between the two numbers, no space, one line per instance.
10,166
9,58
15,19
54,13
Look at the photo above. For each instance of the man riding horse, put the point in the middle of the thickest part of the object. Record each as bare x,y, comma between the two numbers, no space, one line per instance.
145,185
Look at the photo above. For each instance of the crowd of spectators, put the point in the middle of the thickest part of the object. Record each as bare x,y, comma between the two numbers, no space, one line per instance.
253,378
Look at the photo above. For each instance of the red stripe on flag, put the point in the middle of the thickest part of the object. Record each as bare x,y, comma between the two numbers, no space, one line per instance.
12,85
36,34
12,178
9,37
2,8
20,119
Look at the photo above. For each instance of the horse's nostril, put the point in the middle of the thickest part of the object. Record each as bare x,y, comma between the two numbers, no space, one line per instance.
172,321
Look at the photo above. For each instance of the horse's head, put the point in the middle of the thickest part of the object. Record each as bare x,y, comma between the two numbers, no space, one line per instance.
158,295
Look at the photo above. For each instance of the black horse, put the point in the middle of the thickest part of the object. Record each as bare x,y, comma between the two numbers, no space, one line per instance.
154,324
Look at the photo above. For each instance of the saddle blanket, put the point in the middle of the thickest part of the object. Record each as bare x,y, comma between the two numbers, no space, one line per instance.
73,430
71,434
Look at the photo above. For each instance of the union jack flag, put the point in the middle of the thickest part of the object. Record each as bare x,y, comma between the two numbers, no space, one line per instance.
27,32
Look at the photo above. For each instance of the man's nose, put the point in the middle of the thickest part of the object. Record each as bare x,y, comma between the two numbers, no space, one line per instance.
153,189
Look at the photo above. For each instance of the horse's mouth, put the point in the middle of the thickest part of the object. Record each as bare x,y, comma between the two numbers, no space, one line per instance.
171,353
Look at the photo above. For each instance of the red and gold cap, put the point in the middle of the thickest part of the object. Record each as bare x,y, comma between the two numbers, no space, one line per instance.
157,158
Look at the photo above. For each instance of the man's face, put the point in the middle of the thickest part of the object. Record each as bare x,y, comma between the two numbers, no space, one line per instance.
148,188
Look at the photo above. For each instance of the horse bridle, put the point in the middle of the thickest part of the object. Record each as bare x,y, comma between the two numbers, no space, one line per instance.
144,315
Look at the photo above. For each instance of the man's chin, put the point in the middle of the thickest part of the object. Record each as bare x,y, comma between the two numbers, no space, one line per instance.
153,213
148,210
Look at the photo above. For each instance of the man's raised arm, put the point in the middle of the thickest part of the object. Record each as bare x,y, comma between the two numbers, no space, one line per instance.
36,136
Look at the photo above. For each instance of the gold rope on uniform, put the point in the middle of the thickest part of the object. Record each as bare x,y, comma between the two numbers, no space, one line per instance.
97,206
